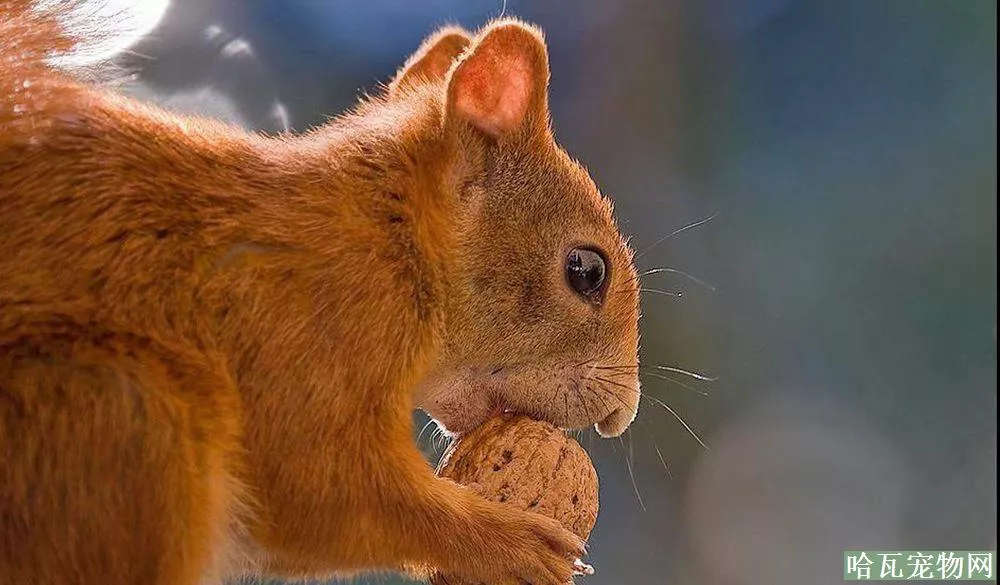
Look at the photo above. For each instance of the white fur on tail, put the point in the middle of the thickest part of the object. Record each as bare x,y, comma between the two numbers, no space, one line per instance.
101,28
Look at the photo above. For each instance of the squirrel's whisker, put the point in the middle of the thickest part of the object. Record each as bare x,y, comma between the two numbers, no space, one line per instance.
678,382
677,416
657,449
424,428
670,293
678,231
691,373
690,277
619,384
631,472
674,369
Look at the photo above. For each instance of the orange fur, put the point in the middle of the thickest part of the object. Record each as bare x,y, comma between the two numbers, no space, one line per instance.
211,342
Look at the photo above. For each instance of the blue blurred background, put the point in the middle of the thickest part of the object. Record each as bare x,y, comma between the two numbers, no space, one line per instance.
846,151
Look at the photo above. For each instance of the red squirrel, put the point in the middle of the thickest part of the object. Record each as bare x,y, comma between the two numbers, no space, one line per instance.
212,342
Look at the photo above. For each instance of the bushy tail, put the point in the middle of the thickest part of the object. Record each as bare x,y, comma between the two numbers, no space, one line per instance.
29,36
43,40
71,34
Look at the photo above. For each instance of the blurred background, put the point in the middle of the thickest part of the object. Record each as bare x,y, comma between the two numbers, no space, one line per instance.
844,284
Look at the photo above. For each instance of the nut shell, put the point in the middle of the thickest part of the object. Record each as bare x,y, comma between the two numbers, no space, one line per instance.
530,465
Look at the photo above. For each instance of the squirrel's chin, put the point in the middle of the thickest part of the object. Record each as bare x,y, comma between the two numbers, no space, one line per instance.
459,425
459,414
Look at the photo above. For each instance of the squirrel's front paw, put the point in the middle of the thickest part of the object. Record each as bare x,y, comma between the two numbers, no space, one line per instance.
512,546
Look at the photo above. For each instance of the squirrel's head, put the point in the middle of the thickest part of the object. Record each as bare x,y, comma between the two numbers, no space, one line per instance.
542,305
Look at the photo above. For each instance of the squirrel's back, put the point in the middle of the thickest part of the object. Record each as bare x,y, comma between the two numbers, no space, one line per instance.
111,209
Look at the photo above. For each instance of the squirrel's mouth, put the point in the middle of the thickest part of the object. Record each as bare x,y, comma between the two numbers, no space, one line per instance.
459,400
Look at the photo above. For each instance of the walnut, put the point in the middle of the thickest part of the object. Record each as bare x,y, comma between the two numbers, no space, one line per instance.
528,464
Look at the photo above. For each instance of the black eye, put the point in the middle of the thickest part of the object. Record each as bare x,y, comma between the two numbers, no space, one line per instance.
585,271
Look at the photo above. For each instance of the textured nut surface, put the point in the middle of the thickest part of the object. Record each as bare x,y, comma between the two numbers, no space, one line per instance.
527,464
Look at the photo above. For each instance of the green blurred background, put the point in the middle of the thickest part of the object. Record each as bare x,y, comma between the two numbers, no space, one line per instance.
847,152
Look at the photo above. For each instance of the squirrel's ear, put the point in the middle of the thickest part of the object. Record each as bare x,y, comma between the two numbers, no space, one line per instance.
500,85
433,59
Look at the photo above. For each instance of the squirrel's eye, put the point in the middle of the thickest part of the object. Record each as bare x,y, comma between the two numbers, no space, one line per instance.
585,271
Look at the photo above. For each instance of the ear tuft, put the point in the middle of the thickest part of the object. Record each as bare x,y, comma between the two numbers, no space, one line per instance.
500,84
432,60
